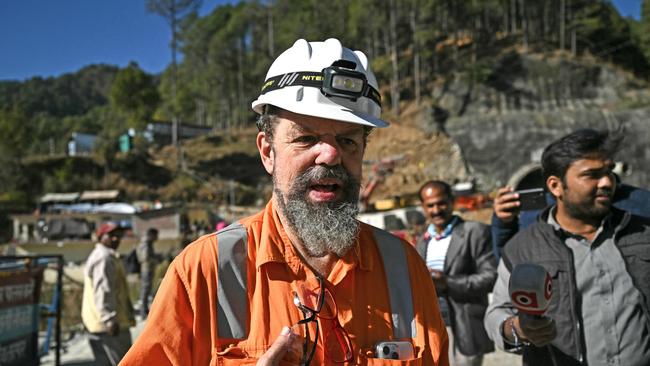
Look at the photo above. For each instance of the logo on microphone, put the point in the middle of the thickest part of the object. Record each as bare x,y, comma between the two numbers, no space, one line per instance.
525,299
549,287
530,288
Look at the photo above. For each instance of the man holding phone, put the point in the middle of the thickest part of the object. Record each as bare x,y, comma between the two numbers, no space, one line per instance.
510,216
598,312
516,210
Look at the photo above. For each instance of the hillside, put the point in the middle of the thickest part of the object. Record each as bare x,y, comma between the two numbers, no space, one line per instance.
482,130
491,129
212,162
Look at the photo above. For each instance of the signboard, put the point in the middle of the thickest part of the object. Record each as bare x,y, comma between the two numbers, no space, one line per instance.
19,316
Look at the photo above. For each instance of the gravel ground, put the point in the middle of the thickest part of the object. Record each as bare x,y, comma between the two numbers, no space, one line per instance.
500,358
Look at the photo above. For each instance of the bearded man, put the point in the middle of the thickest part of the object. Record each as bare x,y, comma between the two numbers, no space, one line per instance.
597,258
302,281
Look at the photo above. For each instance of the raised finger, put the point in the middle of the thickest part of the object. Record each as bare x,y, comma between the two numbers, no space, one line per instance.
278,349
502,191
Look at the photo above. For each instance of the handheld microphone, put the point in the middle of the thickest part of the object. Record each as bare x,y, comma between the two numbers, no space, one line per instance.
530,288
530,291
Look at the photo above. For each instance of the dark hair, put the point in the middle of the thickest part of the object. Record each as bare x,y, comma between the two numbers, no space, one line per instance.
152,231
580,144
443,186
266,123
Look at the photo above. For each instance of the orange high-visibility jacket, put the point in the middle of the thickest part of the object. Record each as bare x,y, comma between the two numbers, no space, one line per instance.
182,326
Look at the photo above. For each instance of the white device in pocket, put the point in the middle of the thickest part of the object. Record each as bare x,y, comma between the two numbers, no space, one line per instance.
394,350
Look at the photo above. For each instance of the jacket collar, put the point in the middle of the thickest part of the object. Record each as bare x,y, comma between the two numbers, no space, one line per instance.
106,250
456,244
275,247
431,232
617,219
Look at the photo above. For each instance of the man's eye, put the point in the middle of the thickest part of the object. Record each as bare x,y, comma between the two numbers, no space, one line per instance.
347,142
306,139
598,175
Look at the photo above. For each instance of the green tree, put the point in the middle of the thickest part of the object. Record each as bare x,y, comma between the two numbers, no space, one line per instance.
224,64
173,11
607,35
16,133
134,93
643,31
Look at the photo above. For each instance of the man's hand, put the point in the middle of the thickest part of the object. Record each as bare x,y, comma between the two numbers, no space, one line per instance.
506,204
112,328
439,278
278,349
538,330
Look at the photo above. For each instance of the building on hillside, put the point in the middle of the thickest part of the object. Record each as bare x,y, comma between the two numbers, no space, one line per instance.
125,141
161,132
100,197
50,200
77,201
169,221
81,144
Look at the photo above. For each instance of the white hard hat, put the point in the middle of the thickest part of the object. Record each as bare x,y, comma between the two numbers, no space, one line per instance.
323,79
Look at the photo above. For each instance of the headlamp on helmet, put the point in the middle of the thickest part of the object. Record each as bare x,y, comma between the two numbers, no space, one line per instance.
339,80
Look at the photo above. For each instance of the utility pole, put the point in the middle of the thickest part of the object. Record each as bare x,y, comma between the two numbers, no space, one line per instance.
173,11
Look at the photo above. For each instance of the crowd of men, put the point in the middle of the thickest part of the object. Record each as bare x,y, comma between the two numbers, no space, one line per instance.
303,282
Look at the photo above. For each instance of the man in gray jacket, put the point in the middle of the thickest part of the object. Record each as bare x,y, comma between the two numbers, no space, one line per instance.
148,261
598,260
459,257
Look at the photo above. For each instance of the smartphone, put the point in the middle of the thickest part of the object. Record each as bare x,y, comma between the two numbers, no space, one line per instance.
394,350
531,199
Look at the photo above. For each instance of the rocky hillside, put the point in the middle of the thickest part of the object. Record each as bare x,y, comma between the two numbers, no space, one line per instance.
486,129
531,100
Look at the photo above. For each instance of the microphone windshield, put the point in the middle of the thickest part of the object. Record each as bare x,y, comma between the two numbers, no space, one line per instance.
530,288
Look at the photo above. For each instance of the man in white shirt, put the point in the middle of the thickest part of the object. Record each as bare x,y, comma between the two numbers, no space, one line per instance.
459,256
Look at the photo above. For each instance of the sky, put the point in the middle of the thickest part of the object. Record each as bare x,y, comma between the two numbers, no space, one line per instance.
53,37
49,38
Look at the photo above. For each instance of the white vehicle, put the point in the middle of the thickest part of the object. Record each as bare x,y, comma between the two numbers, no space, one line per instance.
398,219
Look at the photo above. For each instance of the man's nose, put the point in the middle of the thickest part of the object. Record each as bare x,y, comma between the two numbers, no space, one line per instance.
329,152
435,209
607,181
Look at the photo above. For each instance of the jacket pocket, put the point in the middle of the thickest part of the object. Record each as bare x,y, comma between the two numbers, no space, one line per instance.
243,354
387,362
231,356
637,261
559,286
563,307
638,252
368,355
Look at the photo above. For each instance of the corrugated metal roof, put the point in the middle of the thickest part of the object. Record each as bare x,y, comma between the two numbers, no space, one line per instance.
60,197
99,195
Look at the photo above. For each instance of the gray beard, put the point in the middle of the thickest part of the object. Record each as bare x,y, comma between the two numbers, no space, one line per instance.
324,228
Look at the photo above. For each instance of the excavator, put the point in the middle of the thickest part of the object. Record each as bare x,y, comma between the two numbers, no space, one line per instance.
389,214
380,170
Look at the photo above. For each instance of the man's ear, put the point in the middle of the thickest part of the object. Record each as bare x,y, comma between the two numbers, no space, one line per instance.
266,152
555,186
